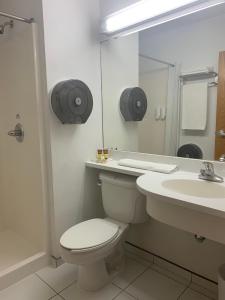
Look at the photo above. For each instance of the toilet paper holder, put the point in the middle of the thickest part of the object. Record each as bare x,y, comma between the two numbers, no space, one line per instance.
72,101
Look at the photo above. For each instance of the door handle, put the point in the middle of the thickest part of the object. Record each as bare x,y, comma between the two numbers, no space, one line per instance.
220,133
222,158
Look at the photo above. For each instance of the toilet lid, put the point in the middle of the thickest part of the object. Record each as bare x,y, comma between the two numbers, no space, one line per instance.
89,234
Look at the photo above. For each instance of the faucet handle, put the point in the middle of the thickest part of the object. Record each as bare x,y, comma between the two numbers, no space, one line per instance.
209,168
208,173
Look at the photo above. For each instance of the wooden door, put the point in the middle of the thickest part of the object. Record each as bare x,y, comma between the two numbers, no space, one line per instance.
220,115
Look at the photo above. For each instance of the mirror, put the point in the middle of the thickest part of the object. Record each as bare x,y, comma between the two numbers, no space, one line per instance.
177,66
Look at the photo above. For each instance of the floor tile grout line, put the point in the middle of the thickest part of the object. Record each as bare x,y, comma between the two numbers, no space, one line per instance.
173,276
136,277
58,293
52,298
186,288
67,287
129,294
117,295
167,276
183,292
130,283
199,292
189,271
142,261
189,287
146,268
200,286
145,263
46,283
150,267
61,297
170,262
125,289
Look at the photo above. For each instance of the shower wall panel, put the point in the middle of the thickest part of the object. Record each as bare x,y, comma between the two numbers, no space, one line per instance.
21,206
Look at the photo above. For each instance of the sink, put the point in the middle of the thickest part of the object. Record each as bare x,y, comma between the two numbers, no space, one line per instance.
195,188
184,201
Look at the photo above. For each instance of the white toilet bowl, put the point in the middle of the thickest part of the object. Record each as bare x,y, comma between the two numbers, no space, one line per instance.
96,245
103,238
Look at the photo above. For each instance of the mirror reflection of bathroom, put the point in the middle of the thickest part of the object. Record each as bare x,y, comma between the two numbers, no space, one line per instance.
177,66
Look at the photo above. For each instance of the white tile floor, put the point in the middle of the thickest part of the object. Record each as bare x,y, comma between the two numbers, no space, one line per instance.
140,280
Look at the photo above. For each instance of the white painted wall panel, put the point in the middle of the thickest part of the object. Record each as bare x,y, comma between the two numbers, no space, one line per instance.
73,51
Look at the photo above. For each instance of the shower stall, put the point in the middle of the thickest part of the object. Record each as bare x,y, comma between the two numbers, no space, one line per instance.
23,226
158,79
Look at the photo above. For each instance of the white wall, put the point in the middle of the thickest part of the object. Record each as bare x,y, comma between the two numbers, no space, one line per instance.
73,51
179,247
120,65
195,45
109,6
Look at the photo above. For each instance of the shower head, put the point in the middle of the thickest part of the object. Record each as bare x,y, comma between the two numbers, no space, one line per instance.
2,26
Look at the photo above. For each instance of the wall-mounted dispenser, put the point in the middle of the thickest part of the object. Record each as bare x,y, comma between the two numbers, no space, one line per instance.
72,101
133,104
190,151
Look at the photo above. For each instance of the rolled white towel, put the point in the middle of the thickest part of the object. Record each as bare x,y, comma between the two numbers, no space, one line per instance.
147,165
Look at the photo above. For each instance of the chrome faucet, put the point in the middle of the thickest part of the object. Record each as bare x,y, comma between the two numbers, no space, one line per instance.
209,174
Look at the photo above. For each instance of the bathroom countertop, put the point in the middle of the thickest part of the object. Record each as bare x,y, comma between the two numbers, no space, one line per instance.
215,206
201,195
112,165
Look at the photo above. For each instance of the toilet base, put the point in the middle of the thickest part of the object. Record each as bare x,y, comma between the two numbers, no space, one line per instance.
94,276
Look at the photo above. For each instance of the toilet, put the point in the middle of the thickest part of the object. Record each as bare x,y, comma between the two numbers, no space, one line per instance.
96,245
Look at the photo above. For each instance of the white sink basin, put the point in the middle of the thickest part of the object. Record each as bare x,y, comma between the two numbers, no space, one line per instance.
184,201
203,189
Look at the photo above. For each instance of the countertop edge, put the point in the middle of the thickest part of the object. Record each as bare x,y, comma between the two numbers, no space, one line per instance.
119,169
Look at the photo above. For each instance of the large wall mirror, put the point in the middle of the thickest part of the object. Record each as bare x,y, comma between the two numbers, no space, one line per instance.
180,66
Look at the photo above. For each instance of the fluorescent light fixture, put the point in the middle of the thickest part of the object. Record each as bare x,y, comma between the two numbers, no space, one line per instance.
147,10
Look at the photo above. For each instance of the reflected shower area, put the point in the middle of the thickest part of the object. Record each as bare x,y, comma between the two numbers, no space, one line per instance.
22,206
155,79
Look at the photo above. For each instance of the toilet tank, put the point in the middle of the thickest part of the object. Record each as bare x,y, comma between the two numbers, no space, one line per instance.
121,199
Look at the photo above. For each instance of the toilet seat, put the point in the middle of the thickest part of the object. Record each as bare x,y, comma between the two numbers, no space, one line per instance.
89,235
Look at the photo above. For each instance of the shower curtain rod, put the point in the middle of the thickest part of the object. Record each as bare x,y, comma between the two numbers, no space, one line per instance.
29,21
157,60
